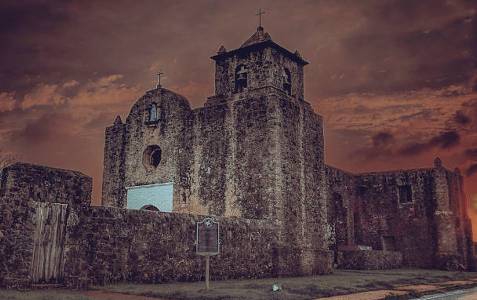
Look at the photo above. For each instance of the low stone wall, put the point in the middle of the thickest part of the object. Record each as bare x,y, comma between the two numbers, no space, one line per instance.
22,182
106,244
369,259
22,187
296,261
16,242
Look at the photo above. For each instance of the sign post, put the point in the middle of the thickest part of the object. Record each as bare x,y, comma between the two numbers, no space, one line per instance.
207,242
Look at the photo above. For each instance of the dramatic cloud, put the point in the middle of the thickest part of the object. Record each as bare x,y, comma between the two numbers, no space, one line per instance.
471,170
461,118
44,94
471,153
7,101
388,77
382,139
444,140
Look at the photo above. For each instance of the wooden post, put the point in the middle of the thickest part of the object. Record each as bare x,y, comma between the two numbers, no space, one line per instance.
207,259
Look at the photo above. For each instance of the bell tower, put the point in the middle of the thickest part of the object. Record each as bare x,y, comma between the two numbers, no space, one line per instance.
258,63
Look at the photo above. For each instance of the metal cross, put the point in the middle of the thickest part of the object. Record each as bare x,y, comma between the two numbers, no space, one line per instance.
259,13
159,79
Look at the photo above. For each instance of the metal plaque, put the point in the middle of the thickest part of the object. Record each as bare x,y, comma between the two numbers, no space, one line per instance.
207,237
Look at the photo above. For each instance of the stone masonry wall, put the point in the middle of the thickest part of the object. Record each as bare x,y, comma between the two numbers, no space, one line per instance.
369,260
27,182
430,231
408,227
107,245
172,133
21,186
113,193
265,69
341,193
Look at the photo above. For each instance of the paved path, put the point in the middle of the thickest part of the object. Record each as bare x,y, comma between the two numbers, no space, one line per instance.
438,290
470,294
374,295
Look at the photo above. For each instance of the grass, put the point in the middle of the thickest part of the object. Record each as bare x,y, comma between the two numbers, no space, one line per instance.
42,295
299,288
296,288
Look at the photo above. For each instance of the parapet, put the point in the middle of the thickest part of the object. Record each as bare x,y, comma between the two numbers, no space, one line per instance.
28,182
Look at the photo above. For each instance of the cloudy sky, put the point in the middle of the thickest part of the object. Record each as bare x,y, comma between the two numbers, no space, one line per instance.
396,81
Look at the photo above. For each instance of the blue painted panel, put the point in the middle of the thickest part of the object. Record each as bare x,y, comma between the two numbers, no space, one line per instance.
159,195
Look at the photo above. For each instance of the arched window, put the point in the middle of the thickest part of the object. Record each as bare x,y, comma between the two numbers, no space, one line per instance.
241,74
286,81
152,157
152,113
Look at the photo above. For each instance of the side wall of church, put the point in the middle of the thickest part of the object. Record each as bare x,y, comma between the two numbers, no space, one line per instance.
454,234
382,221
458,205
431,231
341,198
255,140
211,152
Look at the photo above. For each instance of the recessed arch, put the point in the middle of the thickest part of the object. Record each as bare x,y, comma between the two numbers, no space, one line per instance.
152,113
241,75
150,207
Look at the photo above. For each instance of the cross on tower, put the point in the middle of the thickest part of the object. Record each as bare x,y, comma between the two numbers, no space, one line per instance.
159,79
259,13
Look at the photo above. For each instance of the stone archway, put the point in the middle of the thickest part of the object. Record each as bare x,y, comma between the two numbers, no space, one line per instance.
150,207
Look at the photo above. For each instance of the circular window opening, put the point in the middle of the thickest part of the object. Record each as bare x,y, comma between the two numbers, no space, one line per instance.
150,207
152,156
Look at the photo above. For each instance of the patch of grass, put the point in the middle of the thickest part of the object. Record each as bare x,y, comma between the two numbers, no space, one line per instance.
299,288
41,295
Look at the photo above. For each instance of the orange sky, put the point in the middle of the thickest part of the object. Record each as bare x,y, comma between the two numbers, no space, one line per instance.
396,81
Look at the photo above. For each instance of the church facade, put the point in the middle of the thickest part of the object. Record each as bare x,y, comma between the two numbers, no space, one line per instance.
254,151
252,157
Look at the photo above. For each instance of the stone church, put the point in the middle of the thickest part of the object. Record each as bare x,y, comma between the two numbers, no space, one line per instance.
255,151
252,157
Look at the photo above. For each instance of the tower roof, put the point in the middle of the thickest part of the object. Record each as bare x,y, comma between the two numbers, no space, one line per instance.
259,40
258,37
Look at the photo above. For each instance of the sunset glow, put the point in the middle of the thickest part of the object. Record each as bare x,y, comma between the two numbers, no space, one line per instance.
395,81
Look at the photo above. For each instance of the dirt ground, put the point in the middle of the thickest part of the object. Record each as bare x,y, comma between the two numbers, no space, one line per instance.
383,283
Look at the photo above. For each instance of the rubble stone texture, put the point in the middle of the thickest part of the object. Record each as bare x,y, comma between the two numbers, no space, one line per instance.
253,157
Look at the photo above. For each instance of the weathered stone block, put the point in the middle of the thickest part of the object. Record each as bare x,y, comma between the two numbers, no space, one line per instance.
369,259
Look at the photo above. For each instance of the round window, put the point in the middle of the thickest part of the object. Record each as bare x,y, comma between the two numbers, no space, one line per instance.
152,156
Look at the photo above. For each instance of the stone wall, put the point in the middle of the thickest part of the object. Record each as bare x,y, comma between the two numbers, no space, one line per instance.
22,187
431,230
369,260
22,182
341,193
172,132
113,193
265,65
107,245
384,220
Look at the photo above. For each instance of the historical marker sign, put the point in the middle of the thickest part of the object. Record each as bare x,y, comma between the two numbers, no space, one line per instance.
207,237
207,242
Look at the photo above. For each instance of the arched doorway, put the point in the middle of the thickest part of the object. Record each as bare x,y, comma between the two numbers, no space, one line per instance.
150,207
